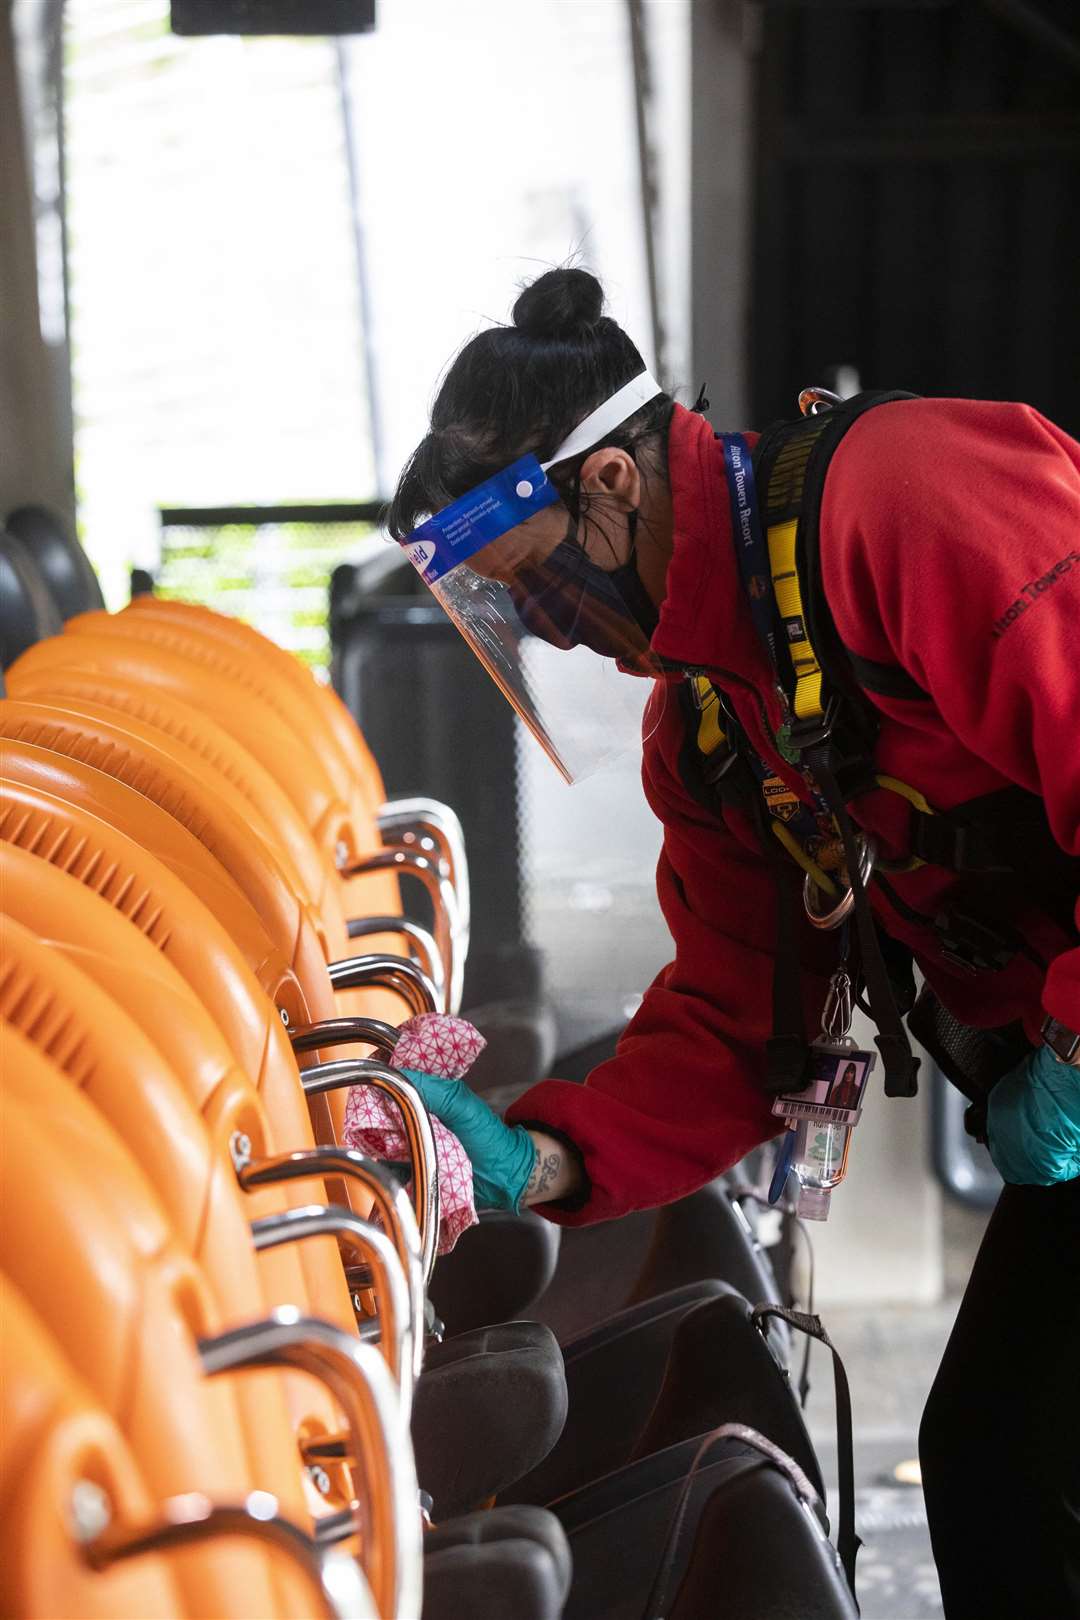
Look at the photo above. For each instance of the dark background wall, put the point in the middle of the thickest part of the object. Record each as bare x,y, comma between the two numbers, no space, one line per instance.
916,181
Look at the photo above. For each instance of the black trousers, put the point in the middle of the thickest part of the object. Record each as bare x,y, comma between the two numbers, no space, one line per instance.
1000,1436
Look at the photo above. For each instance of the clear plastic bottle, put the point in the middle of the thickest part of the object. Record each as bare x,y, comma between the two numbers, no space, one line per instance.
819,1162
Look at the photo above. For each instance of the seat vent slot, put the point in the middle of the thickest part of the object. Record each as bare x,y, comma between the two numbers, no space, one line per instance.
34,1011
38,834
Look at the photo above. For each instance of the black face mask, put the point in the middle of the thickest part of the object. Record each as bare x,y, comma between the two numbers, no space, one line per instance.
570,601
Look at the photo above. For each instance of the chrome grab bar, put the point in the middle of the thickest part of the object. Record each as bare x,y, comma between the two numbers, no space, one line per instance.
399,817
431,872
391,973
359,1380
190,1519
390,1199
331,1527
344,1032
423,944
419,1134
374,1247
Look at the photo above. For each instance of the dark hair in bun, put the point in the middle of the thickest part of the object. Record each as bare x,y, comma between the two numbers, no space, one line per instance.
560,304
521,388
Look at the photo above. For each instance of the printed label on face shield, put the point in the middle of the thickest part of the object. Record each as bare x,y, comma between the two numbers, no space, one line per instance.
420,553
479,518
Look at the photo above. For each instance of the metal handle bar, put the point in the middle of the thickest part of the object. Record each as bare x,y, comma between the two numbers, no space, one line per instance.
418,1132
390,1199
188,1520
374,1248
331,1527
423,944
389,972
344,1032
438,822
432,874
359,1380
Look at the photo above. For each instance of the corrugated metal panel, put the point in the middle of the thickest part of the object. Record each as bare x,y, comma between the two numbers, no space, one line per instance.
918,169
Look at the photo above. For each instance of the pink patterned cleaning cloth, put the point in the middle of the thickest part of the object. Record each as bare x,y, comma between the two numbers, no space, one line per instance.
437,1044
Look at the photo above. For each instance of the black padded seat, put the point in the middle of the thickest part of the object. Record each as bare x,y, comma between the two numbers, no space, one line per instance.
495,1577
61,560
488,1407
709,1528
496,1271
521,1036
660,1372
501,1524
708,1235
611,1265
27,611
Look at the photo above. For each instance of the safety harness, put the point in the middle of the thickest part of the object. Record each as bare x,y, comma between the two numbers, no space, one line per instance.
828,734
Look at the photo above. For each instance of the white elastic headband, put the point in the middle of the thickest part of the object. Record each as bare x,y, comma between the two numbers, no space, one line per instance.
611,414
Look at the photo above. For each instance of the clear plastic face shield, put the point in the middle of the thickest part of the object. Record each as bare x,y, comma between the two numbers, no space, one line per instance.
536,597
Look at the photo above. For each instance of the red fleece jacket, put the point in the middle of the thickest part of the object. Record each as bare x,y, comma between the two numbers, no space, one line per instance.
950,538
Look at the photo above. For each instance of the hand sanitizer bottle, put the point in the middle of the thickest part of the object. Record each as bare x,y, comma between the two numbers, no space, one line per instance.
819,1162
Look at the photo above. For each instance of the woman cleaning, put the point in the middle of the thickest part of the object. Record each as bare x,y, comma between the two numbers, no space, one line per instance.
862,739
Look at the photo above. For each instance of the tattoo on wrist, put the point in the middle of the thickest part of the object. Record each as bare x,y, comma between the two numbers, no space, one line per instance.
545,1169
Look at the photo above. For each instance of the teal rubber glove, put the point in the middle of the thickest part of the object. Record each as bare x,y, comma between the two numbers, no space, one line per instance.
502,1155
1033,1121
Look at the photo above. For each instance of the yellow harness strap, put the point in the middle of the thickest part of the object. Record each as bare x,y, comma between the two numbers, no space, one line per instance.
805,860
711,736
710,732
806,700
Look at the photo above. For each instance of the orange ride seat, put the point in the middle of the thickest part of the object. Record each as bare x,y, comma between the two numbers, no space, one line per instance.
86,932
105,1054
288,756
213,811
321,698
195,733
186,926
86,1242
64,1462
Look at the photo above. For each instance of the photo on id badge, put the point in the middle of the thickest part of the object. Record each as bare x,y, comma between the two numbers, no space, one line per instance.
835,1091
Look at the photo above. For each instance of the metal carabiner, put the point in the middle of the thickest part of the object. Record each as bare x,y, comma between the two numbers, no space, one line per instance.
844,906
814,400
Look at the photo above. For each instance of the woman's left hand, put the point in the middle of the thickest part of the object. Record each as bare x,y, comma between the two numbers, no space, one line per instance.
503,1156
1033,1121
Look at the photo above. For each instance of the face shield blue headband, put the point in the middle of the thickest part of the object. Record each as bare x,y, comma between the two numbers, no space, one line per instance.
505,563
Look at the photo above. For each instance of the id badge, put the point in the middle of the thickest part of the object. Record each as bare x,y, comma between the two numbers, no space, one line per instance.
838,1076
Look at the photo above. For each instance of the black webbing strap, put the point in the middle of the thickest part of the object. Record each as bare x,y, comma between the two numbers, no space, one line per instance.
885,680
787,1049
942,842
900,1063
664,1586
847,1542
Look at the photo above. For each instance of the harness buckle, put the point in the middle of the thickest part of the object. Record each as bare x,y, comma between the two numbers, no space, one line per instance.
969,943
717,764
810,733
